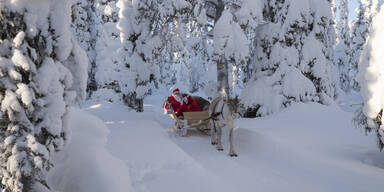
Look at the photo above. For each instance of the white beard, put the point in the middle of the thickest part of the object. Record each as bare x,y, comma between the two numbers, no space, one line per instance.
181,99
178,99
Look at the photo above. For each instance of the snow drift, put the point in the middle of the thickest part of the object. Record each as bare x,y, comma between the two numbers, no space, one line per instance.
85,165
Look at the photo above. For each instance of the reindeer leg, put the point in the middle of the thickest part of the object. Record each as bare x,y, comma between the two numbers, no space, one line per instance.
232,152
176,126
184,128
219,146
213,133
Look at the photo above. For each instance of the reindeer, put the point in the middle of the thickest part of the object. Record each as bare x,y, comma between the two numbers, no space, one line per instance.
223,112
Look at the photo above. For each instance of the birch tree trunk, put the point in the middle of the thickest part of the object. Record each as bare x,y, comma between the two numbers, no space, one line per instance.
222,64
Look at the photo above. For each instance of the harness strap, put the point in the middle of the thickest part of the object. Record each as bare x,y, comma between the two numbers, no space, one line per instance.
214,127
213,116
222,110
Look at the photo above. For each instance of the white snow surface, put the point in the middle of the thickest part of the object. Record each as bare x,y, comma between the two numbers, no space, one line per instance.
85,165
307,147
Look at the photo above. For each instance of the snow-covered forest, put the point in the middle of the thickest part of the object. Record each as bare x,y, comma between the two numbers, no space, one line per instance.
83,83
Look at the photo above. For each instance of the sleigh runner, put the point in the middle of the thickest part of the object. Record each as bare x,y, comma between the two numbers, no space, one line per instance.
191,120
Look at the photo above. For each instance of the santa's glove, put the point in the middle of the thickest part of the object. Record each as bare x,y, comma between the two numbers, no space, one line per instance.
178,112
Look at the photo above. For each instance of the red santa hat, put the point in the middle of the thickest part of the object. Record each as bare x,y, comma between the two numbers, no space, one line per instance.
176,91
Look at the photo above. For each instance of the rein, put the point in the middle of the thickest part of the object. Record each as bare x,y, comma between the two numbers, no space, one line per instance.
215,114
222,110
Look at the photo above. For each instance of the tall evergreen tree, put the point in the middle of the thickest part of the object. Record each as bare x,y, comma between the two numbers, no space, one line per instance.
197,49
360,31
294,56
343,48
376,6
141,38
371,80
249,15
42,70
185,58
231,41
86,27
230,48
109,72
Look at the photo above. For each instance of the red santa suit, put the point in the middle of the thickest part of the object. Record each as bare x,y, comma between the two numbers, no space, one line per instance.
182,103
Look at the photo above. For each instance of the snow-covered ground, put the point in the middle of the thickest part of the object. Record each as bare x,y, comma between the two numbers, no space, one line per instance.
307,147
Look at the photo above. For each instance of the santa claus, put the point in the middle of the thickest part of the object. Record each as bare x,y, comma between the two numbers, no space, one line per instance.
182,103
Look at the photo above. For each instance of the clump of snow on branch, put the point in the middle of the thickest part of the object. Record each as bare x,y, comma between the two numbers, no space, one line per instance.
371,70
250,13
371,78
230,40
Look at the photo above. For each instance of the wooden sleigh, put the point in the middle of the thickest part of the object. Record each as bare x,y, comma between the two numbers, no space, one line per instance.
191,120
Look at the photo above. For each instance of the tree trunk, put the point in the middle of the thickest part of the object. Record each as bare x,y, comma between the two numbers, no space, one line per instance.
219,9
222,63
135,103
222,76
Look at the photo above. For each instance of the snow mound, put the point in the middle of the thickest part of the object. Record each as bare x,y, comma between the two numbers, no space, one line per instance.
85,165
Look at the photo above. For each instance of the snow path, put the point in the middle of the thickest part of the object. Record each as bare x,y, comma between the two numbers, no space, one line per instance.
307,147
154,161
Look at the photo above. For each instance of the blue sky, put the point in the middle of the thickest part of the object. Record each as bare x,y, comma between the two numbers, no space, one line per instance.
353,4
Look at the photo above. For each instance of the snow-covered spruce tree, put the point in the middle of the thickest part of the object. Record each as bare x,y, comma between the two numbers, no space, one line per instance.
140,25
184,57
322,66
136,39
42,71
86,27
94,23
294,57
371,81
231,45
375,9
360,31
249,15
108,71
107,11
343,48
196,51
